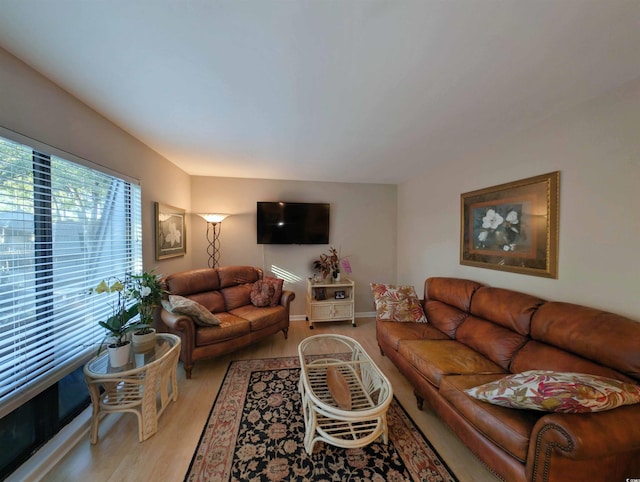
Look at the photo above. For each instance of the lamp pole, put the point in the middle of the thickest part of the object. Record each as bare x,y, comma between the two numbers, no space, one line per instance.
213,250
214,224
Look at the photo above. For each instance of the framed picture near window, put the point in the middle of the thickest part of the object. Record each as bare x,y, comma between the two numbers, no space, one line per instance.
339,295
171,232
513,226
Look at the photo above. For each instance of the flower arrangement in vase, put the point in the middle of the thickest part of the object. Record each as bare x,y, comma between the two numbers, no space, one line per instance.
135,294
147,291
330,263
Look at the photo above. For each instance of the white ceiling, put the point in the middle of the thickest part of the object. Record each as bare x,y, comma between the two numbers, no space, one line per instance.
329,90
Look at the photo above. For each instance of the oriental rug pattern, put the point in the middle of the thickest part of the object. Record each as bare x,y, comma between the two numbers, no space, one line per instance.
255,432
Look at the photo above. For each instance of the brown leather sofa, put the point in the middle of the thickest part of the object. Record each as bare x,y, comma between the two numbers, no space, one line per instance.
478,334
224,291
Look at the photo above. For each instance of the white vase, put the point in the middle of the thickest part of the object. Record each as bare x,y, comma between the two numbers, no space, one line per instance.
119,355
144,342
336,276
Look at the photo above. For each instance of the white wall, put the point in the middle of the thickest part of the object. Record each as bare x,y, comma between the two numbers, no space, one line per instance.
363,227
596,147
363,216
33,106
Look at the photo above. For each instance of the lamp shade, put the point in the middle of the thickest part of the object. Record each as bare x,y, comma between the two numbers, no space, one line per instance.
213,217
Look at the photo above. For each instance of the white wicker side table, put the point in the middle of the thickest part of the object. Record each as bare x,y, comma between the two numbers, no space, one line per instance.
370,393
135,387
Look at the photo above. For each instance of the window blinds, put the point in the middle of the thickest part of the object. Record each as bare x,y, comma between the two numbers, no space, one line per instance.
63,228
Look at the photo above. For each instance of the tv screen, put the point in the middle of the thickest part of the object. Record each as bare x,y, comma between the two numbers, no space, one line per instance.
292,223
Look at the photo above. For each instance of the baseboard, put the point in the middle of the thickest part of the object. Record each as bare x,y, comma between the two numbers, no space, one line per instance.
366,314
361,314
41,462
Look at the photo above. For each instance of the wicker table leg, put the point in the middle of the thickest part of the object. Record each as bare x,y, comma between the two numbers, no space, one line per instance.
94,394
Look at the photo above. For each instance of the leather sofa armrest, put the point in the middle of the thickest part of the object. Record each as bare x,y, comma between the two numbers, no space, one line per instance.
585,437
185,328
178,323
590,435
286,298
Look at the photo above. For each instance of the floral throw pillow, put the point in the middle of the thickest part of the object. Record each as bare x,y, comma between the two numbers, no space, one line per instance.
277,284
184,306
262,293
550,391
397,303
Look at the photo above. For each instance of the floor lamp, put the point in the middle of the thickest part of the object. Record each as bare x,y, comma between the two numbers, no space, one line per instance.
214,222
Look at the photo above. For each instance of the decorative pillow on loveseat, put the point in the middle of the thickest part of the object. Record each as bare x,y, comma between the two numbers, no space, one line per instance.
262,293
397,303
551,391
185,306
277,286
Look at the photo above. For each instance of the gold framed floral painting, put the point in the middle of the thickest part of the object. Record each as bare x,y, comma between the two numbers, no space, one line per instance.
171,233
513,226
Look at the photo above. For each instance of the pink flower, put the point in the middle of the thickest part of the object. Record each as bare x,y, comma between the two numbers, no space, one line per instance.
346,266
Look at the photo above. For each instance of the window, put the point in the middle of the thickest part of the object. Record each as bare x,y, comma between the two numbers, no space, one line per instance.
64,226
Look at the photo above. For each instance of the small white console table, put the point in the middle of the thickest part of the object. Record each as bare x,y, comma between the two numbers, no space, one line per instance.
330,301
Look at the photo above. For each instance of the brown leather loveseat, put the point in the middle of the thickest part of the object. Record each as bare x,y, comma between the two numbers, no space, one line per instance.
225,292
477,334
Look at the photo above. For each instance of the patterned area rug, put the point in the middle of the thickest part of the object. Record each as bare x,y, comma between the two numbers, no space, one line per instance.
255,432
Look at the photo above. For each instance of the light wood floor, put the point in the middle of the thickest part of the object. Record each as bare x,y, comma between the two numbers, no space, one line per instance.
118,456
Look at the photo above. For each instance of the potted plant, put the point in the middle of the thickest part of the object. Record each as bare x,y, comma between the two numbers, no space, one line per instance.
147,290
119,324
329,265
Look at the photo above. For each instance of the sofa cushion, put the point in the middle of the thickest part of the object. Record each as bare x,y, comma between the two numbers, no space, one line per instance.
510,309
262,293
236,296
238,275
260,318
397,303
211,300
436,358
540,356
185,306
187,283
230,327
444,317
391,332
452,291
498,344
510,429
603,337
277,283
563,392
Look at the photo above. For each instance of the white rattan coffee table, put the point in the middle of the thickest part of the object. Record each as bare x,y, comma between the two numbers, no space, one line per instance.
370,393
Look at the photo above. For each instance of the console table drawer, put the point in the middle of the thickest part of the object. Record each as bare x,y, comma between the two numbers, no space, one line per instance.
343,310
332,311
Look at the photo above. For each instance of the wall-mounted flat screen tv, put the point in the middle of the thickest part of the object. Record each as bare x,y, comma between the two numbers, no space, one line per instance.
292,223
